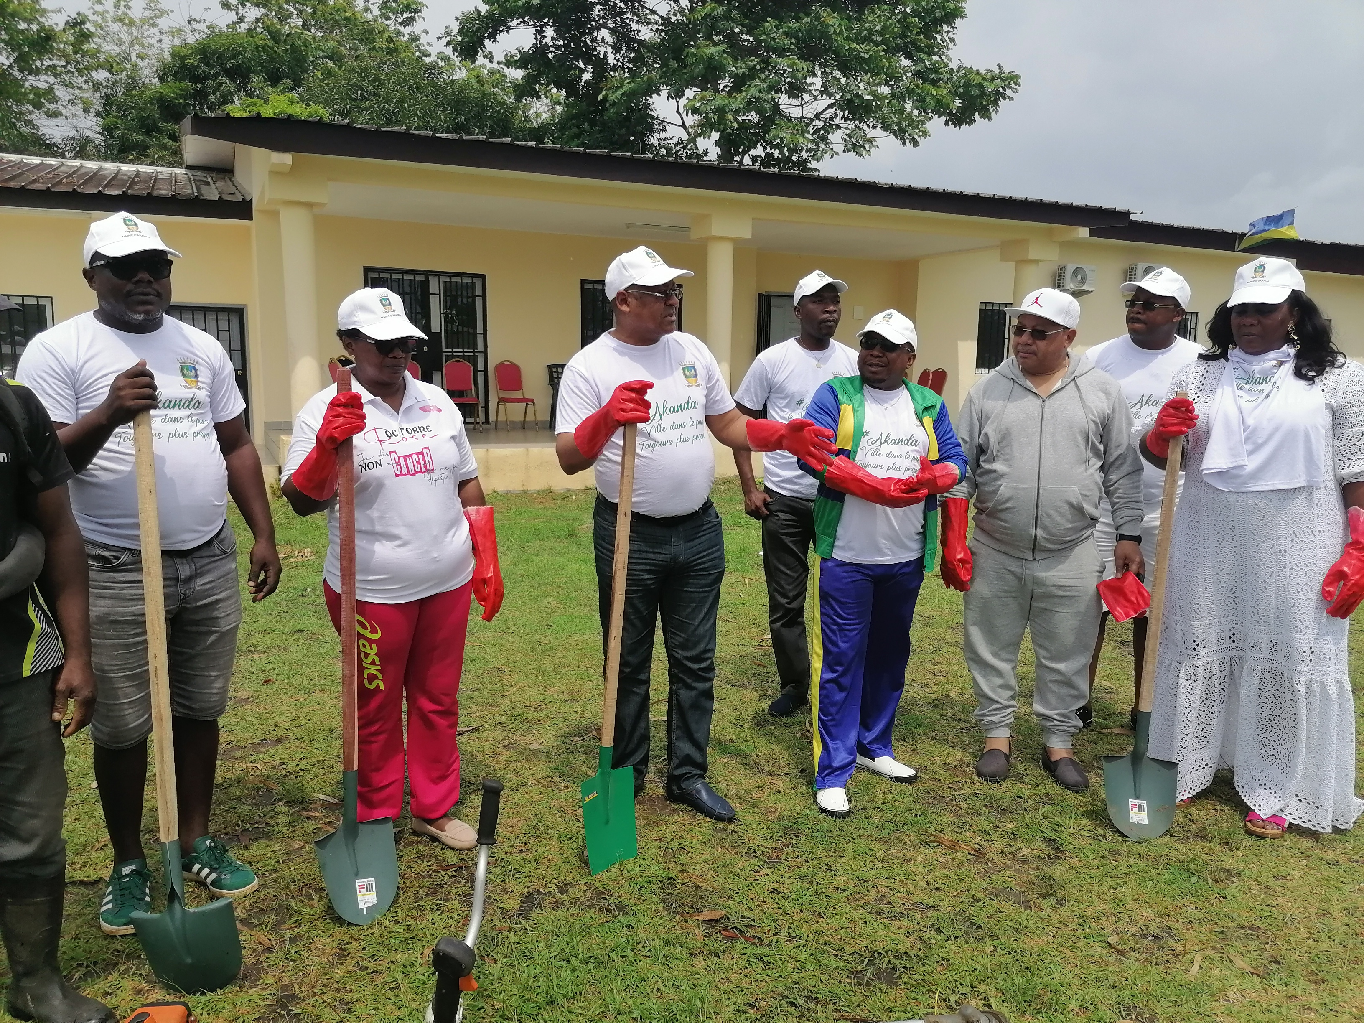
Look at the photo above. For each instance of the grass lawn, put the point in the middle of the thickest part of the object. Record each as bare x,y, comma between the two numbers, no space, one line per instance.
1020,897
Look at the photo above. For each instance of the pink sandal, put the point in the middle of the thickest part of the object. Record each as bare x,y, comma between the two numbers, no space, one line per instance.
1274,826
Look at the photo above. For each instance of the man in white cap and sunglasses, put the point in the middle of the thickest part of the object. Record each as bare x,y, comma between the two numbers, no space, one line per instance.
1143,362
95,373
1047,437
645,371
782,380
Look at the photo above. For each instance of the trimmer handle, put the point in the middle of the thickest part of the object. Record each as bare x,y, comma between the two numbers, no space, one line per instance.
488,812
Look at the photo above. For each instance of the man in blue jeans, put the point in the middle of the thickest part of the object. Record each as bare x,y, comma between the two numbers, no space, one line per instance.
876,534
644,370
95,373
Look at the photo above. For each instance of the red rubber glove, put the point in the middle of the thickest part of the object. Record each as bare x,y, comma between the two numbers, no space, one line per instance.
487,579
1175,418
956,556
1344,582
628,404
813,445
316,476
937,479
1125,597
846,476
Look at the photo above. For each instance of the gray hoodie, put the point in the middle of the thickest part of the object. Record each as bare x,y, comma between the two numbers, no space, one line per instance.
1038,466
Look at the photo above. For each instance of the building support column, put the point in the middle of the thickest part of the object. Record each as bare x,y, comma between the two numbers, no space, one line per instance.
298,248
720,231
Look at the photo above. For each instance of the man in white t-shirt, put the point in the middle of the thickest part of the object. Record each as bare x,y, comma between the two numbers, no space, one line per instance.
1144,361
783,379
677,551
95,373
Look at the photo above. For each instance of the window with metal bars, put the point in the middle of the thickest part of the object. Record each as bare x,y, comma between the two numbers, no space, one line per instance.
19,326
776,319
596,317
992,335
227,323
452,310
1188,326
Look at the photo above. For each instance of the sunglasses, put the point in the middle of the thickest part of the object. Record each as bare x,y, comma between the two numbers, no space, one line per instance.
1146,305
873,341
1256,309
406,345
674,292
126,268
1038,334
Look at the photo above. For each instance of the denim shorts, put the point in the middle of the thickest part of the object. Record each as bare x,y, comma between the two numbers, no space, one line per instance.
203,612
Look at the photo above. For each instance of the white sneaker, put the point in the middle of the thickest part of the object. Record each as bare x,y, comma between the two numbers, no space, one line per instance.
889,767
833,801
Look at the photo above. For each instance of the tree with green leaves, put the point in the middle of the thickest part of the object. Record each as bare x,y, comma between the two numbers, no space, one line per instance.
773,84
39,57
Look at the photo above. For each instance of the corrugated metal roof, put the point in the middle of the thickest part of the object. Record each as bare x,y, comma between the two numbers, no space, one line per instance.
90,177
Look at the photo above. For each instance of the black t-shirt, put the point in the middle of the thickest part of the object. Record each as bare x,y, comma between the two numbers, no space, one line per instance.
29,642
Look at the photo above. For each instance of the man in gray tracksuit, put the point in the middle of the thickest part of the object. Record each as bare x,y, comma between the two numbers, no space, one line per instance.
1046,436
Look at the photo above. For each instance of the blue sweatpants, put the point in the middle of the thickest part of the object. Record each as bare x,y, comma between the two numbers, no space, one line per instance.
860,658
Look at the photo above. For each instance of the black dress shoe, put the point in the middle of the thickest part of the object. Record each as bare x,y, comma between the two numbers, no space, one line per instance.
1086,715
792,699
1067,773
703,799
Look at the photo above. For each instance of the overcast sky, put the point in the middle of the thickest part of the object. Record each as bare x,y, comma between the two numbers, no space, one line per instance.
1199,112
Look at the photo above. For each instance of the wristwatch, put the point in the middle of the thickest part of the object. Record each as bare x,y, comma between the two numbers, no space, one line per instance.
1129,536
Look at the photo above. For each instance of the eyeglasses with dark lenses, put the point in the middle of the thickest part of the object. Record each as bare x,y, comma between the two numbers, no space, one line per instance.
1038,334
406,345
674,292
873,341
1146,305
126,268
1255,308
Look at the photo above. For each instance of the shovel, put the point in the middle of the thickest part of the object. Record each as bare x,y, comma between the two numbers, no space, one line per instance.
1141,790
191,949
609,796
359,862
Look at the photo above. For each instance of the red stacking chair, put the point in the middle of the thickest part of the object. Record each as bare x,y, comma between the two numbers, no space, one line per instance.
511,391
938,381
415,370
459,376
923,379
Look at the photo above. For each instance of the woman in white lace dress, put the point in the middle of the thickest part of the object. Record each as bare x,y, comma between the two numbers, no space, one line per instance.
1253,672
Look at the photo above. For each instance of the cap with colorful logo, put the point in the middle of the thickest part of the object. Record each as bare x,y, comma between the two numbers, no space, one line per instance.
813,282
122,235
377,313
892,325
1162,281
1050,304
1267,279
639,266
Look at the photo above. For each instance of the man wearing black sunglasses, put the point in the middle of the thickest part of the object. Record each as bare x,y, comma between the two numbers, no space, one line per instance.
1046,437
95,373
1143,362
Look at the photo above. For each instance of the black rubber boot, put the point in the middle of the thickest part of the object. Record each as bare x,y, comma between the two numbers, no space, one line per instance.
31,922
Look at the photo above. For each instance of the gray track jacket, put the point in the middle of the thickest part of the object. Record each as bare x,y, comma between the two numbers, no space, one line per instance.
1038,466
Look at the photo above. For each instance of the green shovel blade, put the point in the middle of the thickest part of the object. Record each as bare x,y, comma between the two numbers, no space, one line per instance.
609,814
359,862
1140,790
193,950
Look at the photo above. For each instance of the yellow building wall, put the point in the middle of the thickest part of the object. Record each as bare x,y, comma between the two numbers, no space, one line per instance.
950,290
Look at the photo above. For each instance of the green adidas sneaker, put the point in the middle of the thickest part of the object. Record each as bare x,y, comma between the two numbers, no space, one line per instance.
129,891
218,870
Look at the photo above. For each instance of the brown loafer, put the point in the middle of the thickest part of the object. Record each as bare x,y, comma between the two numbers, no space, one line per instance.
993,766
448,831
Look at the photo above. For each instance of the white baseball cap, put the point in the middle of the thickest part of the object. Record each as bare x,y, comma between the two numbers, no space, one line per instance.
122,235
639,266
1049,304
812,282
1268,279
377,313
892,325
1162,281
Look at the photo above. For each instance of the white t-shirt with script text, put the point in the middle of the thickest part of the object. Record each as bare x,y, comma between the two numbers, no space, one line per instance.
674,462
892,442
411,537
784,378
70,368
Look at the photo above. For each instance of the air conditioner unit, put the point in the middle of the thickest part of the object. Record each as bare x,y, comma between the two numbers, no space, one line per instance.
1138,271
1075,279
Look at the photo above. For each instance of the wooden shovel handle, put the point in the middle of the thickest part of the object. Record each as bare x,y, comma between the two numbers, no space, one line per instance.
618,567
1146,695
350,637
154,599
